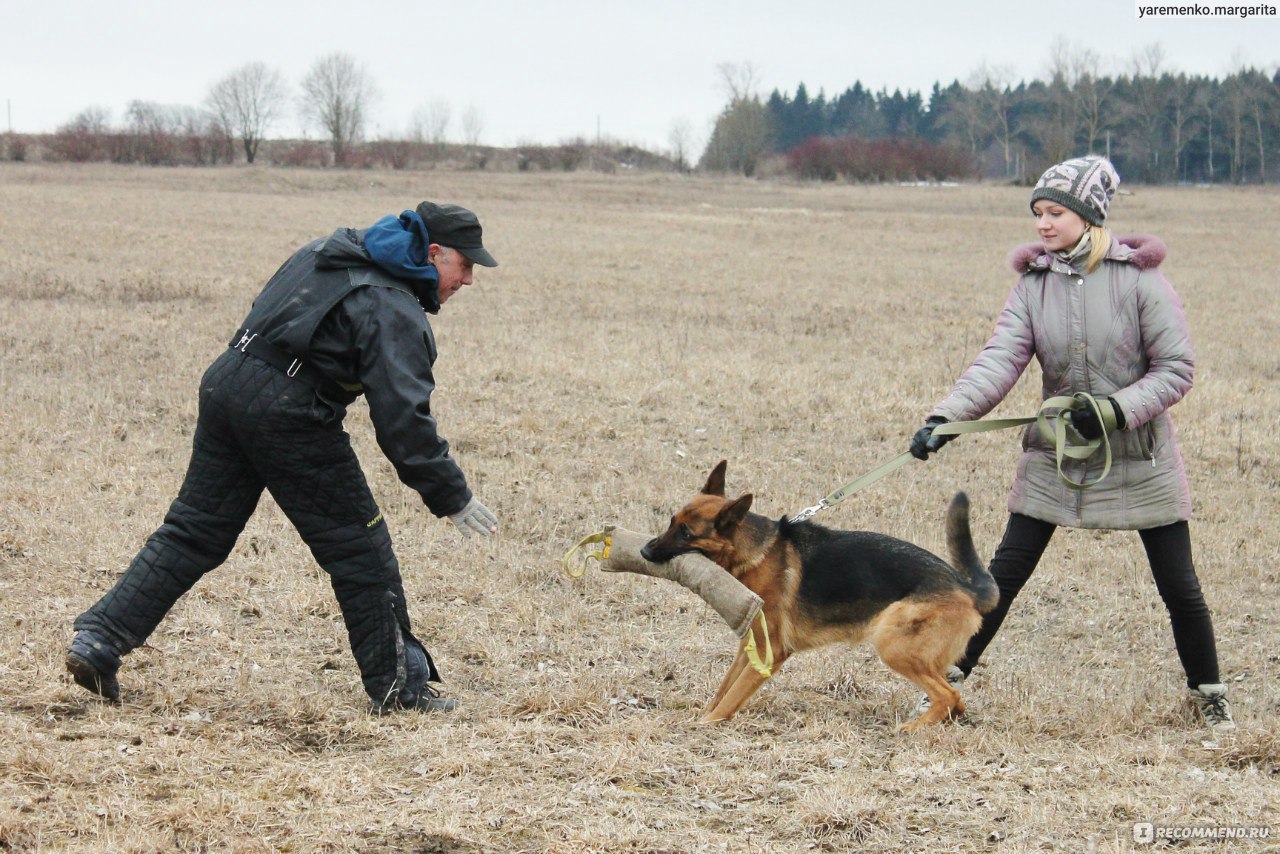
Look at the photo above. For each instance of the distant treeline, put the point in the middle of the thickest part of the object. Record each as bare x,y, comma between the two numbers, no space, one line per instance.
1156,128
334,97
162,135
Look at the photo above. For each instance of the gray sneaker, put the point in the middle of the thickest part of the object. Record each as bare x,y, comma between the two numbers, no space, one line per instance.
955,678
417,694
427,699
1214,707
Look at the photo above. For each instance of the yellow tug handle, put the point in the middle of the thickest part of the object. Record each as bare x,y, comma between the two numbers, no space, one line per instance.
599,537
763,667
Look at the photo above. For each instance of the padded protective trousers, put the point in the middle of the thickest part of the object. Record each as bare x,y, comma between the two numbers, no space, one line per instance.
257,429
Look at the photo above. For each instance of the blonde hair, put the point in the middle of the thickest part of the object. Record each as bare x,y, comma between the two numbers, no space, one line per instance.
1099,245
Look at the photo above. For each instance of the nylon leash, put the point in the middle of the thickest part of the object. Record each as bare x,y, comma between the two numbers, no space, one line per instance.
1056,429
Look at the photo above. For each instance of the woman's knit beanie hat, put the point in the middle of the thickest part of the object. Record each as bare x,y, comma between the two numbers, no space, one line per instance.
1082,184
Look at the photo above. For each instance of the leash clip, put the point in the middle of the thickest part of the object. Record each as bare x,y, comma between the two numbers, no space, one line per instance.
810,512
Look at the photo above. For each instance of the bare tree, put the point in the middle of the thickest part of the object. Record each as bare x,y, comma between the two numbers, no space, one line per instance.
85,137
1075,107
1092,92
152,130
743,131
1264,107
430,124
337,94
1181,110
1059,123
1204,102
247,102
95,120
995,102
472,125
681,139
1235,111
1145,107
963,120
740,80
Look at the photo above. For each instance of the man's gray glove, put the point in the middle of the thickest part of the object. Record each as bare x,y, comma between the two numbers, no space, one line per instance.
475,517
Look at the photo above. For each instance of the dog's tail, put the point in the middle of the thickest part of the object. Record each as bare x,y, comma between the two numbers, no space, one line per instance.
964,557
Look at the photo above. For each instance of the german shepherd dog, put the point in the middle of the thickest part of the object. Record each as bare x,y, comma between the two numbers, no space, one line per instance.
823,586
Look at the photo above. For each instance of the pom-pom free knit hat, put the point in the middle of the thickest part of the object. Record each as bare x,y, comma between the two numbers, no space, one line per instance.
1083,184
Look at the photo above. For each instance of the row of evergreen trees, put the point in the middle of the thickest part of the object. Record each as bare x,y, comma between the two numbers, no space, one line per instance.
1156,128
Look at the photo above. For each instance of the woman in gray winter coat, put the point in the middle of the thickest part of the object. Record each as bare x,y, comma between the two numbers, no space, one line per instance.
1099,317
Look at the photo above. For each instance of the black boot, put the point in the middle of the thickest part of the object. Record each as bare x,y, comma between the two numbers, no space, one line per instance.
92,662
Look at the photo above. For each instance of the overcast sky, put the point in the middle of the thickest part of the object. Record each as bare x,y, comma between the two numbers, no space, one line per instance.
549,70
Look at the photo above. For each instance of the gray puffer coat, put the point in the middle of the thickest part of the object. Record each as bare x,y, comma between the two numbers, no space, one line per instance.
1117,332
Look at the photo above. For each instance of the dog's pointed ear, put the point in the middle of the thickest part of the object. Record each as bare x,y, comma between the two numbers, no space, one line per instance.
715,481
732,513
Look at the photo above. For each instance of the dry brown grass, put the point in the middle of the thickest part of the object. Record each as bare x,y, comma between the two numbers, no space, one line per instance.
640,329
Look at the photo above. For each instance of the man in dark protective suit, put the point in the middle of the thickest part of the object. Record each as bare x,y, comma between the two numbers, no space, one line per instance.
345,316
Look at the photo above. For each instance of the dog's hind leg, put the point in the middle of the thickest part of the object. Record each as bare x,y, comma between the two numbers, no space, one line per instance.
944,701
919,640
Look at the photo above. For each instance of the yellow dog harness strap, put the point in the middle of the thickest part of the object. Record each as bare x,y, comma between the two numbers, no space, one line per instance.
762,666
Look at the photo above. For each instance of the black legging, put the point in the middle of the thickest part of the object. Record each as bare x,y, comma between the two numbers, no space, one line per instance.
1169,552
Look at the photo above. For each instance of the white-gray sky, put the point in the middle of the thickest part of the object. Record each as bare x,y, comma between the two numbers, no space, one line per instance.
549,70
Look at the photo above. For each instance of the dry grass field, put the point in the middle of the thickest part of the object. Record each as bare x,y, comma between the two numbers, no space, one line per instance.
640,328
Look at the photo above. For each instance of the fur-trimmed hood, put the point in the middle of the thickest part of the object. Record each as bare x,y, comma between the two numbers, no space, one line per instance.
1144,251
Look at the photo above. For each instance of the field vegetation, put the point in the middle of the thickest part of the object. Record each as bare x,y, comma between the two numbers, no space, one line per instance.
640,328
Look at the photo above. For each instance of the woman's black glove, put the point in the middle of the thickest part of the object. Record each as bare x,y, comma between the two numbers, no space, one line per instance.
924,442
1086,422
